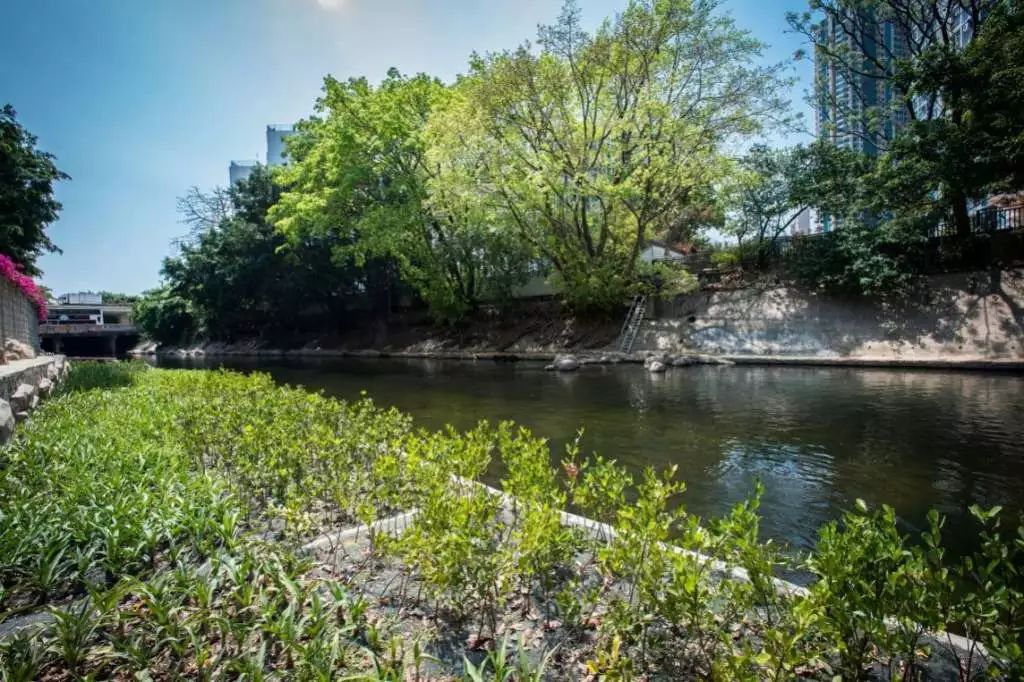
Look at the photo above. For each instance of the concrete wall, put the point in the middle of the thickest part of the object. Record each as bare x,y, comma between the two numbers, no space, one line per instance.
18,318
962,317
27,372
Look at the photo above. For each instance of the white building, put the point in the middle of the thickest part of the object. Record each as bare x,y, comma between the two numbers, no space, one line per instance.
659,251
277,153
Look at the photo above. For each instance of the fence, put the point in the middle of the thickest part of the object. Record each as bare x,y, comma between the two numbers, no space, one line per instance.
987,221
18,317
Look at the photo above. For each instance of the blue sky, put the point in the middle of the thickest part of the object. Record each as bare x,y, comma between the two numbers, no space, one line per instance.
140,100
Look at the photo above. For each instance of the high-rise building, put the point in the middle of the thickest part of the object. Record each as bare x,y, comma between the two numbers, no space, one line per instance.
856,105
277,153
240,170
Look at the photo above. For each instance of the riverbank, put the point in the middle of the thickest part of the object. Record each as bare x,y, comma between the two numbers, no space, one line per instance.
213,524
971,321
585,358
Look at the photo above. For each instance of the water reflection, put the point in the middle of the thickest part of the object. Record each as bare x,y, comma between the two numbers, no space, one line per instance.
817,437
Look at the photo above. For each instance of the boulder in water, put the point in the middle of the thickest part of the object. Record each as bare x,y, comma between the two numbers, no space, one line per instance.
566,363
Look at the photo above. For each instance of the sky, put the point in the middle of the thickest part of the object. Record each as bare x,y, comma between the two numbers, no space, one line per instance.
141,100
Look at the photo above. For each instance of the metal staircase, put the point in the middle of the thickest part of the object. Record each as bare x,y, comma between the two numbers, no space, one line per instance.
631,325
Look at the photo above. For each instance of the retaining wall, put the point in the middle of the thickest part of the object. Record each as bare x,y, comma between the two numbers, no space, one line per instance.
18,317
23,384
960,318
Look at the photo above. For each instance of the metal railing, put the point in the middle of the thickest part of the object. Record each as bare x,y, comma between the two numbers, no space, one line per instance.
987,221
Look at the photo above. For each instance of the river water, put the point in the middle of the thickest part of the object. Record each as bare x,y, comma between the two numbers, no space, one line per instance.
818,438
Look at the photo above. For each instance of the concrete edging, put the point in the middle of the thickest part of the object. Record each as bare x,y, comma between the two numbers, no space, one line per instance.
594,357
603,532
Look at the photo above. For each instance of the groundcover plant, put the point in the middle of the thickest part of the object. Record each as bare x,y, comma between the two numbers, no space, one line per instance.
160,524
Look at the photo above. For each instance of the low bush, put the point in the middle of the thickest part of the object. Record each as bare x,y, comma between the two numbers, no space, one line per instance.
160,517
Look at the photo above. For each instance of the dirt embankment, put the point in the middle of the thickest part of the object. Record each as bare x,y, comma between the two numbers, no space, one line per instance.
539,329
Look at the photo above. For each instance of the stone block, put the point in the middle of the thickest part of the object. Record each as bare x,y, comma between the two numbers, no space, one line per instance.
21,400
22,350
6,421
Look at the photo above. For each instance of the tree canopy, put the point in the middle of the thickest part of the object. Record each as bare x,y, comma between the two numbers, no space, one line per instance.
238,278
27,204
594,143
953,119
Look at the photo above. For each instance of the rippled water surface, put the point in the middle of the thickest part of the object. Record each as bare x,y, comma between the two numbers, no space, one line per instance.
818,438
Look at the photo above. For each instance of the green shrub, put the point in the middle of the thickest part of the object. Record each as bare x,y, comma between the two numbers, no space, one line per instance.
726,258
161,512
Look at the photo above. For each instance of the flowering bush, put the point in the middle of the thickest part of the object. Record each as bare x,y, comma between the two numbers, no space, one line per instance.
10,271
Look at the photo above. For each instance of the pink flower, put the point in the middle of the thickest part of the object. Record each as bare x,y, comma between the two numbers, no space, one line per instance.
13,274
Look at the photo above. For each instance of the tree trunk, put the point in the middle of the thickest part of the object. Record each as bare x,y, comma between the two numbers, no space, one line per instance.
961,218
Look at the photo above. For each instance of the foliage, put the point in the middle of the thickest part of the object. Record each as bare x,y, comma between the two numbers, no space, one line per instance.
765,196
594,143
665,279
162,513
119,298
957,99
27,204
12,272
239,278
860,258
166,317
374,172
873,247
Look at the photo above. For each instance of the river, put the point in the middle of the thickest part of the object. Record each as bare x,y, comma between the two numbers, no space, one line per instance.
818,438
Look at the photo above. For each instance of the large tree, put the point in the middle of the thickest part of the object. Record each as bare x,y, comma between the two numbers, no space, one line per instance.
363,170
951,74
240,279
27,204
598,141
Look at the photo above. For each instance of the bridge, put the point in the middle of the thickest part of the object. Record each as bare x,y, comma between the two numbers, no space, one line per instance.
88,330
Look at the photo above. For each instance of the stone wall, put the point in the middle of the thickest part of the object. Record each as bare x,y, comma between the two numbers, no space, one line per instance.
23,384
959,318
18,318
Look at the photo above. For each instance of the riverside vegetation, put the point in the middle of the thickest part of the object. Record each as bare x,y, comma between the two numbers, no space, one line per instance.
162,519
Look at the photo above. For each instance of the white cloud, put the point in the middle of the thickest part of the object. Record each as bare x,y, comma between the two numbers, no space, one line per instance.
330,4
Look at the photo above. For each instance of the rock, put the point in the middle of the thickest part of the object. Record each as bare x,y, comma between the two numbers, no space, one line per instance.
35,402
21,400
656,367
566,363
23,350
10,356
6,421
549,368
52,372
65,370
20,416
683,361
662,358
45,387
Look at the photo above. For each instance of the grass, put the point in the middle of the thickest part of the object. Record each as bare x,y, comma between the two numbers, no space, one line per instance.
153,523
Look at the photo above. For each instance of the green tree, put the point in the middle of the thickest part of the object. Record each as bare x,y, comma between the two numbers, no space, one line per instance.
597,142
241,279
765,196
960,99
364,170
118,298
165,317
27,204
